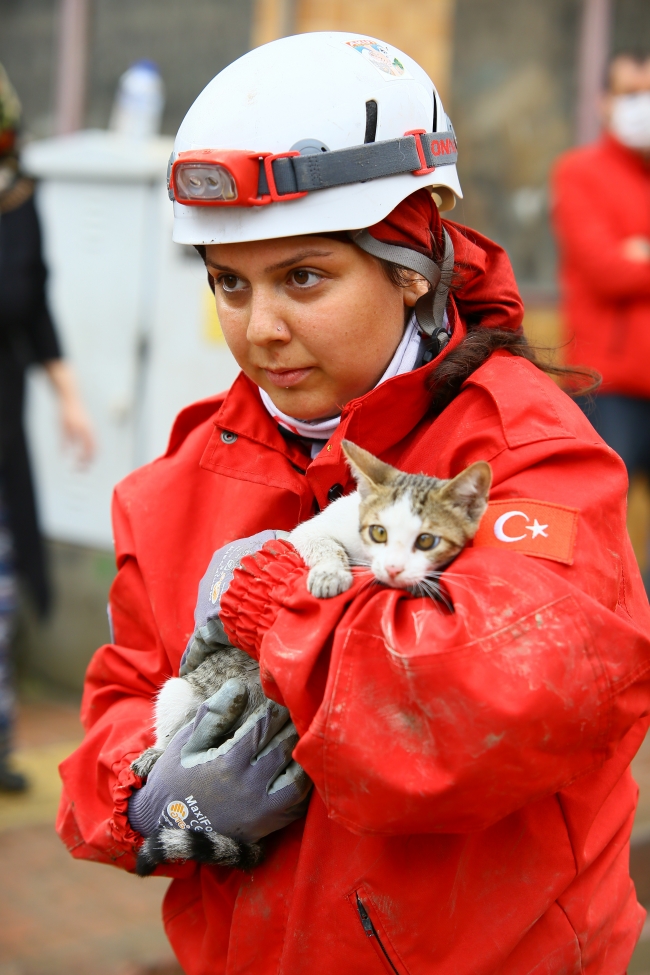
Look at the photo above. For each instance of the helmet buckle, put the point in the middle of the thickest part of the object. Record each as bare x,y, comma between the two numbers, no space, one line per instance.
424,169
270,179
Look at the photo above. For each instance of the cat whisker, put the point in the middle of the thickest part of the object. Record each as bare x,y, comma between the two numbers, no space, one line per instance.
369,581
457,576
436,580
461,575
459,585
429,587
439,599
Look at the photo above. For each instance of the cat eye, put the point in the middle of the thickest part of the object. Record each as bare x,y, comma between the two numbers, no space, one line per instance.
378,533
426,541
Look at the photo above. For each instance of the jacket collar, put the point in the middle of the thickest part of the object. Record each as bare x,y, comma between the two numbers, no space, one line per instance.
377,420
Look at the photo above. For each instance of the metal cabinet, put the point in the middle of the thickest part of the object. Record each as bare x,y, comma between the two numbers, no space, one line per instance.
134,313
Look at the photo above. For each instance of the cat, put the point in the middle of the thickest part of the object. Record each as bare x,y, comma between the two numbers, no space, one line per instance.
404,528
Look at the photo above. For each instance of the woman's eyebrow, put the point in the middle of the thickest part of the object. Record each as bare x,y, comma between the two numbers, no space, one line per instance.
296,259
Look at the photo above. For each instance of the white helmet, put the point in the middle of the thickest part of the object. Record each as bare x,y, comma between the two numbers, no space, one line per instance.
308,134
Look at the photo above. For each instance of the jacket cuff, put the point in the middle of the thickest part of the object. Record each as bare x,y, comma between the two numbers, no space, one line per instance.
120,826
127,840
254,598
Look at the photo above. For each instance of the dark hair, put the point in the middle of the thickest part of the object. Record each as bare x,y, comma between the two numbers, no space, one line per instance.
479,344
637,56
200,249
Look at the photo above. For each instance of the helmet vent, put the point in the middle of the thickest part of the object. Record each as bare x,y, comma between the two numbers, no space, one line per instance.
434,127
371,121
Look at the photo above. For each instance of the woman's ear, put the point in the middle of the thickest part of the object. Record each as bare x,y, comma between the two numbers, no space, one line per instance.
416,287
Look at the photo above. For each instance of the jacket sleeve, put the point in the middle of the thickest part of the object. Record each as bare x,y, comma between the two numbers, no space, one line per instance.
416,719
585,228
117,714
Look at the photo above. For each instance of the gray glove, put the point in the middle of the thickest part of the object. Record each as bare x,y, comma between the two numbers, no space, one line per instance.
242,788
208,633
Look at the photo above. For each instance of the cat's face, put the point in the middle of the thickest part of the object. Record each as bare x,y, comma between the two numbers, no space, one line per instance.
404,545
412,526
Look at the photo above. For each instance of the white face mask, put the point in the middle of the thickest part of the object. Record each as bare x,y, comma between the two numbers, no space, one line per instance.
631,120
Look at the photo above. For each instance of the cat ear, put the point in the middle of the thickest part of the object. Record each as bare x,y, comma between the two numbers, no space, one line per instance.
368,470
469,490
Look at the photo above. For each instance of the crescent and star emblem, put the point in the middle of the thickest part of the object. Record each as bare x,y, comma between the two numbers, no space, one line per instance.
535,529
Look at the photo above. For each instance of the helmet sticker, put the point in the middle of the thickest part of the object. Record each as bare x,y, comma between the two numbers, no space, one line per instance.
380,57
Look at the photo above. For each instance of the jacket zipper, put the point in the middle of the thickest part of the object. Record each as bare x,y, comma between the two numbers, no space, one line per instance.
371,932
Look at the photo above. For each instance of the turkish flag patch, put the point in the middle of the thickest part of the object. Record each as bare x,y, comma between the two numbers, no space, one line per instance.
538,528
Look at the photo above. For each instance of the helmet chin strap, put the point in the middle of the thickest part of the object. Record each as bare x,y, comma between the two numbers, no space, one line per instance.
430,307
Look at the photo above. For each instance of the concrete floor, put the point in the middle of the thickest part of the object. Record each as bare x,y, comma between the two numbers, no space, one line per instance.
62,916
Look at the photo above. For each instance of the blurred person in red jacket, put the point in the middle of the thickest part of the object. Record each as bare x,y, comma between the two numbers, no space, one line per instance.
472,801
601,214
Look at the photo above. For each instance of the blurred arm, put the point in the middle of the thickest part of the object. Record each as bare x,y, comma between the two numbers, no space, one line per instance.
75,422
583,220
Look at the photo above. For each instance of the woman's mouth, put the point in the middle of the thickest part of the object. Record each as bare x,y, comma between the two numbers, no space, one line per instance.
287,377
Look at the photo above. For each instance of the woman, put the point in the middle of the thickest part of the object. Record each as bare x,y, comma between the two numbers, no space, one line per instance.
472,798
27,336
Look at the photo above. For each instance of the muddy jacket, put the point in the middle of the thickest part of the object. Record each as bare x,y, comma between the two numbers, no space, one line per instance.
601,195
473,800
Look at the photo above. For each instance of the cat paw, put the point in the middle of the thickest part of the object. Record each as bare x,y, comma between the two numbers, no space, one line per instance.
144,764
325,583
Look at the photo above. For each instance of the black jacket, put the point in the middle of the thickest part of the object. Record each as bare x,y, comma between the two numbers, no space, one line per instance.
26,336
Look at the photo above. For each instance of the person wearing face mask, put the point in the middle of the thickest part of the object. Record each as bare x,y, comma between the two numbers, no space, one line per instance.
439,787
601,215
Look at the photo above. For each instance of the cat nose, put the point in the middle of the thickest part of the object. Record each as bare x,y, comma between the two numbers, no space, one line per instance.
394,570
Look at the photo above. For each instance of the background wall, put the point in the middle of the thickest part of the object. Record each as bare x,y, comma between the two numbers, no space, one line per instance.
190,42
631,27
28,50
512,104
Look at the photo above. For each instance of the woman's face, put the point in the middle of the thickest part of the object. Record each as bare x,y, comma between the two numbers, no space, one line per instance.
312,320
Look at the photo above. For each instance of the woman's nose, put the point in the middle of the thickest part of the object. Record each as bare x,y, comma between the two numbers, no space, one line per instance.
266,323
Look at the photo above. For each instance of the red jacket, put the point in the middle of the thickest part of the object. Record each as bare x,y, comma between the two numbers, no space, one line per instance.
601,195
472,783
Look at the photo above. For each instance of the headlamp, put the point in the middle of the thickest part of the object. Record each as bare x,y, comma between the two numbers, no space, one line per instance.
236,177
205,183
209,177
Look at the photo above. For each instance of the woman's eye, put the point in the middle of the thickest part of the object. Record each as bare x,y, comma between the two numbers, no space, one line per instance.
426,541
378,533
305,279
230,282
